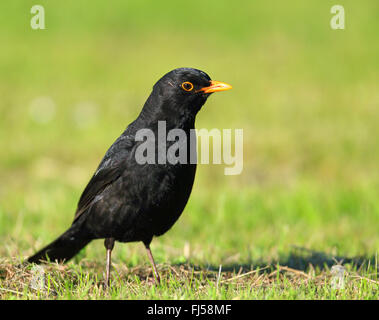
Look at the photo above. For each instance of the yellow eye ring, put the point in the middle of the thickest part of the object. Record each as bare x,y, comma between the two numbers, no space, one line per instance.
187,86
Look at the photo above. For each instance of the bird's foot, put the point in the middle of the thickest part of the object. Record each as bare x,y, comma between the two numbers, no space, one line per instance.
105,285
156,281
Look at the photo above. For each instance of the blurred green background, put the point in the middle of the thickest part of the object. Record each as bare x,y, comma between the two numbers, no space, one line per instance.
306,96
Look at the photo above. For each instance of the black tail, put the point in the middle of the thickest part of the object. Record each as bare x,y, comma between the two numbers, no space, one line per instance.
61,249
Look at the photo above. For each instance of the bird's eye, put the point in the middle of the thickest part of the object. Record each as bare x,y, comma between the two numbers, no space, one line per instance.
187,86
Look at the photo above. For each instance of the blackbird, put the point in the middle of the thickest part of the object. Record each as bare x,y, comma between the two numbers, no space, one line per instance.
127,200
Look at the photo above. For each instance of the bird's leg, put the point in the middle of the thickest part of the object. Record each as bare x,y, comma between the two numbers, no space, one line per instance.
157,279
109,244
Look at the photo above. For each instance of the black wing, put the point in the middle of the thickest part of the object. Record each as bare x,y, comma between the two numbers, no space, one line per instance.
109,170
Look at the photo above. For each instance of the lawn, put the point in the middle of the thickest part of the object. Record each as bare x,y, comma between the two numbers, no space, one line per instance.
305,95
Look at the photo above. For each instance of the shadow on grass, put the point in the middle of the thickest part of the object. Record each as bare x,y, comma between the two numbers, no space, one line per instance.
299,258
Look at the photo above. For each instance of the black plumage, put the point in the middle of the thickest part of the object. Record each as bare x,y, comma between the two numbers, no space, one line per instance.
126,201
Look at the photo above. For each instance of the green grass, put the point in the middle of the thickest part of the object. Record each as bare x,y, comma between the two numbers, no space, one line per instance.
306,97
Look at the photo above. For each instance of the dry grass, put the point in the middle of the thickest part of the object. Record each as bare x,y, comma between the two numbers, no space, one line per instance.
274,281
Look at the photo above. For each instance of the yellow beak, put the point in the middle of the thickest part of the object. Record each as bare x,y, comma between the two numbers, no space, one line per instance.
216,86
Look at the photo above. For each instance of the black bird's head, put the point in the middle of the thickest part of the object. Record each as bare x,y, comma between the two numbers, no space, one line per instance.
181,93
